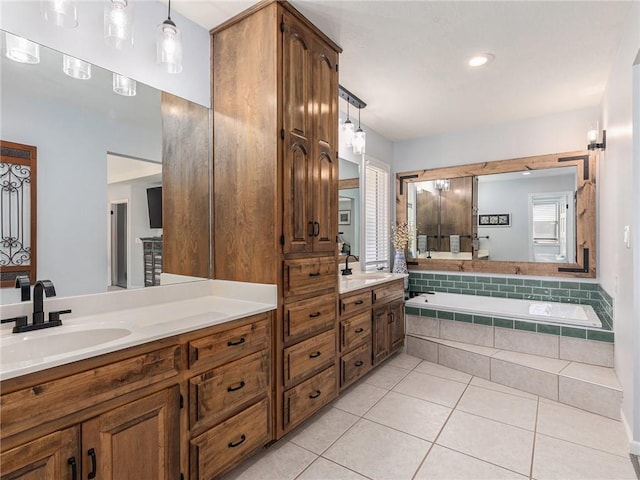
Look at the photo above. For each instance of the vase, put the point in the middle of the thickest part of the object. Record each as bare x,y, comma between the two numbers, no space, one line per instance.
400,263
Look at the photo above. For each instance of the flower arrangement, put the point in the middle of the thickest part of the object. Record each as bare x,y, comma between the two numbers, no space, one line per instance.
400,235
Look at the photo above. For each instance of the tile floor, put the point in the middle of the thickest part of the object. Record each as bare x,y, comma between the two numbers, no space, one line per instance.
411,419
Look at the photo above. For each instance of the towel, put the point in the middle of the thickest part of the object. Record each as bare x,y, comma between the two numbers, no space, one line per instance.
454,243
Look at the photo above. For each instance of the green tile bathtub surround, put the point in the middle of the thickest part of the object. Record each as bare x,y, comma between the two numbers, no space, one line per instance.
600,336
499,294
507,288
559,292
596,296
550,329
548,284
570,285
491,287
573,332
515,281
499,280
532,283
483,293
483,279
516,296
427,276
463,317
445,315
579,294
428,312
502,323
589,286
454,290
476,286
412,311
481,320
524,290
529,326
468,292
461,285
434,283
541,291
455,278
447,284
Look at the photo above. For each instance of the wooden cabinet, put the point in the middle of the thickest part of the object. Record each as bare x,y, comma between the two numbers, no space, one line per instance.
275,131
388,330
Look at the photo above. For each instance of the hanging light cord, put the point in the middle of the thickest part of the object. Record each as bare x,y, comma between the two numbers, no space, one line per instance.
169,11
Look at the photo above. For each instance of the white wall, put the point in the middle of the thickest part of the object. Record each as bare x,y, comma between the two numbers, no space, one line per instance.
86,42
617,171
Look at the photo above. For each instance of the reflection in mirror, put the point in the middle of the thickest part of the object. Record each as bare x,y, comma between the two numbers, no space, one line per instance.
349,208
91,143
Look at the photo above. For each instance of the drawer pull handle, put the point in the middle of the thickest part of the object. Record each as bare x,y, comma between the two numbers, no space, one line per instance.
314,315
74,468
315,395
317,274
359,363
359,330
311,229
315,355
233,389
316,229
239,342
238,443
92,454
359,302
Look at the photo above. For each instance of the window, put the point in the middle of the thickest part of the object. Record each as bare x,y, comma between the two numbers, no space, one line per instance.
545,222
377,223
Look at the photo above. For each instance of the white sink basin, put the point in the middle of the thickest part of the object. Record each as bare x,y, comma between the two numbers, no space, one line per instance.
34,345
368,276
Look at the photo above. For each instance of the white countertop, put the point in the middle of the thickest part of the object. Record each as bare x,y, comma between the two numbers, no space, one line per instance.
358,280
107,322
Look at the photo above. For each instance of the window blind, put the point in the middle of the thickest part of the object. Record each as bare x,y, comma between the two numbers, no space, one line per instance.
376,216
545,222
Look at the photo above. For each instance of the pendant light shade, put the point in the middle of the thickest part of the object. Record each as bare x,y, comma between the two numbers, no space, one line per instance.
124,86
359,139
21,50
118,24
348,129
169,45
76,68
61,13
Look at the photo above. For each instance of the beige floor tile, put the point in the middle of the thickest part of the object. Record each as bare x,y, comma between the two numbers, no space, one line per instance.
494,442
559,460
282,461
386,376
378,452
402,360
592,374
323,429
442,372
323,469
422,348
481,382
434,389
503,407
464,360
590,396
359,398
410,415
445,464
530,380
552,365
578,426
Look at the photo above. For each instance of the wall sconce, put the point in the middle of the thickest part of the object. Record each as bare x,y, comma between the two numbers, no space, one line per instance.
21,50
118,24
61,13
76,68
357,139
348,130
169,45
442,184
593,140
124,86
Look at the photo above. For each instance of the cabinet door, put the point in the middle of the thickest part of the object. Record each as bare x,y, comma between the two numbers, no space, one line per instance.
324,78
396,326
380,334
53,457
138,440
298,227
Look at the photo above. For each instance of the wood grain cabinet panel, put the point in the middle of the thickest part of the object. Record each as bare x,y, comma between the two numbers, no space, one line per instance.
355,330
227,444
307,317
214,395
396,326
356,302
304,358
355,364
309,275
388,292
303,400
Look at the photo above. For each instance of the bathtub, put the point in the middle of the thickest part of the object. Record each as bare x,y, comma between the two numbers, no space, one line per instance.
527,310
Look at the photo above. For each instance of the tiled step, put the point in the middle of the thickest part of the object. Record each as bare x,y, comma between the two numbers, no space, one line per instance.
589,387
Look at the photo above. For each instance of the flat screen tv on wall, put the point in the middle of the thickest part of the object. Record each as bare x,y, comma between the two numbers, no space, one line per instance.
154,200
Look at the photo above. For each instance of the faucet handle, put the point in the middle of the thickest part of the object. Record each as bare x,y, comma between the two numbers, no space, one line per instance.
24,284
55,316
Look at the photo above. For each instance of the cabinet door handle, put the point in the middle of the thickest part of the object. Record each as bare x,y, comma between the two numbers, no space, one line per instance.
392,318
315,315
359,302
316,230
315,355
234,344
359,330
315,395
74,468
359,363
311,229
317,274
238,387
238,443
92,455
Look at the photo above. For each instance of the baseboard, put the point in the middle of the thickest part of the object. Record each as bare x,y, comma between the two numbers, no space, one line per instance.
634,445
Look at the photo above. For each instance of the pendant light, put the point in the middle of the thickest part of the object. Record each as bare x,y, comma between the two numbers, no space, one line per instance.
169,45
61,13
118,24
348,130
21,50
124,86
359,139
76,68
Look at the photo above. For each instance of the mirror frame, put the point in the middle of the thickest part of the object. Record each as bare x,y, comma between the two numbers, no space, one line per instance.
585,163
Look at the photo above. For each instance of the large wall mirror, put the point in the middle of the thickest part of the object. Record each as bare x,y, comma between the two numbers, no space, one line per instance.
349,214
103,159
531,216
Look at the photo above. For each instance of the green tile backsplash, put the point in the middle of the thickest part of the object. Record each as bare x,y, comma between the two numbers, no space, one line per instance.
541,290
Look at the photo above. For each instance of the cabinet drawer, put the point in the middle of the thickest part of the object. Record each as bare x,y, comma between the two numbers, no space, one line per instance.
223,446
354,303
231,344
309,356
355,364
355,330
388,292
308,275
218,392
301,401
307,317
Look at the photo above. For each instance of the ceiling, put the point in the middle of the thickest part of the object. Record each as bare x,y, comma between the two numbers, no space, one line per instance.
407,59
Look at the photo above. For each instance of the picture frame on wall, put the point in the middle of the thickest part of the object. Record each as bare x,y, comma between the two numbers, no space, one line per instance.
494,220
344,217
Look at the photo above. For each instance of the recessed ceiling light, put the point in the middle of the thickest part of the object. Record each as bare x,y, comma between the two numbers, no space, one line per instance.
481,59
